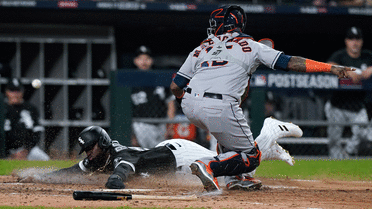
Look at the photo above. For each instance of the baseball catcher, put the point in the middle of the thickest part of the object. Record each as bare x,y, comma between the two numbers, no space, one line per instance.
176,155
213,81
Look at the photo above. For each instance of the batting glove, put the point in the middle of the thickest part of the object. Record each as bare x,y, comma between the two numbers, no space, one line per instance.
115,182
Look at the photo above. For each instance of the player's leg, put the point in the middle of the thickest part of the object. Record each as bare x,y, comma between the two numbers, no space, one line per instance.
334,132
186,152
213,142
230,163
271,131
225,120
357,130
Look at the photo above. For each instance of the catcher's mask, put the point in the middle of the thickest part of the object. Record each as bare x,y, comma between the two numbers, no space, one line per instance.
89,137
227,19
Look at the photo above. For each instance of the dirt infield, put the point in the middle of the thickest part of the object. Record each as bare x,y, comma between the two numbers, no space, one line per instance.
283,193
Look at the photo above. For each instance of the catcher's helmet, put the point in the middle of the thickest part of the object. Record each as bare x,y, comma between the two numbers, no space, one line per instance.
91,135
227,19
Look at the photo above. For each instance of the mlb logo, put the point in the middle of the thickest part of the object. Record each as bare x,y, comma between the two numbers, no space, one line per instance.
260,80
197,95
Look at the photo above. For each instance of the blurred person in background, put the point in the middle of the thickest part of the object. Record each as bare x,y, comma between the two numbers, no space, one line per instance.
21,125
149,102
348,106
272,105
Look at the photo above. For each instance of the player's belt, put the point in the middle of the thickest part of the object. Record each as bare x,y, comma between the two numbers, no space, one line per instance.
206,94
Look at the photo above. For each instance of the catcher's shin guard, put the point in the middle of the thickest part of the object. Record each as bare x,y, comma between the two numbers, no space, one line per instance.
235,163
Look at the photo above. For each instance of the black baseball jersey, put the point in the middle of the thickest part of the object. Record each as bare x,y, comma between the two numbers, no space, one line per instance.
134,161
352,101
150,102
21,126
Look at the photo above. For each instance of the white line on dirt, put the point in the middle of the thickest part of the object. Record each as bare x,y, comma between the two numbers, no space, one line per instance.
125,190
280,187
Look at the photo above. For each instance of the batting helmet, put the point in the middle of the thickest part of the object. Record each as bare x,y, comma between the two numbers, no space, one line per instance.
90,136
227,19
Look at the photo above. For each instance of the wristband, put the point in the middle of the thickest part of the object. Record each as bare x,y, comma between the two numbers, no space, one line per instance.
314,66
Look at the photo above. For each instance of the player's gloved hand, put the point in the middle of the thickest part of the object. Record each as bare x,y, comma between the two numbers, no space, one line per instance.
115,182
179,100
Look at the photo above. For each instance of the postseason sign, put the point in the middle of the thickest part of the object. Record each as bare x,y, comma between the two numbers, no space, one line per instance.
306,81
289,80
302,81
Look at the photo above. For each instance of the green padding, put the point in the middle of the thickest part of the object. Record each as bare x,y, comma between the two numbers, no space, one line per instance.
257,110
121,116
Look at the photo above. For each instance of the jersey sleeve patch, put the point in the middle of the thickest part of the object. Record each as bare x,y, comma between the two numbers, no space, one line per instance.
119,161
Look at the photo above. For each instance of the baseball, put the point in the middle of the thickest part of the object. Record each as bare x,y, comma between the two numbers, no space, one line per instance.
36,83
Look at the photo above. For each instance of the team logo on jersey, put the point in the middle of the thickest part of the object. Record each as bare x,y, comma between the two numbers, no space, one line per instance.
217,52
81,141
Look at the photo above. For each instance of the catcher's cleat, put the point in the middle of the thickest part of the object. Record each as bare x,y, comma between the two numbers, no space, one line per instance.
246,183
205,174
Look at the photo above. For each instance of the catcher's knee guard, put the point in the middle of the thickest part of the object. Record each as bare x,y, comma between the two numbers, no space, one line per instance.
235,163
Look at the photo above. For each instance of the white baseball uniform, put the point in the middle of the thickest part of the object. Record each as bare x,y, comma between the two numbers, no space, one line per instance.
223,65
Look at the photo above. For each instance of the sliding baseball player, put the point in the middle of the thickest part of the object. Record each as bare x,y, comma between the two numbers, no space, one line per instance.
104,155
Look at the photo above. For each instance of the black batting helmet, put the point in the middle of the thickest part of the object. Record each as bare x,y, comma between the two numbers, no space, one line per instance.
92,135
227,19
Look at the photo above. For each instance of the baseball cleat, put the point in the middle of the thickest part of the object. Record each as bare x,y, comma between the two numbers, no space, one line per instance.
205,174
279,129
276,152
272,130
246,183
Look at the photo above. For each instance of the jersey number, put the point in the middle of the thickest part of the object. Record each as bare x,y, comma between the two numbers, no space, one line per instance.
118,147
214,63
245,47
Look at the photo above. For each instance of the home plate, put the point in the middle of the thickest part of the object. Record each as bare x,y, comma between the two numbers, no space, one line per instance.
125,190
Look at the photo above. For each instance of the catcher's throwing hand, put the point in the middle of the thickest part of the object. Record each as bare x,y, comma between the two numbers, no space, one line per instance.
341,71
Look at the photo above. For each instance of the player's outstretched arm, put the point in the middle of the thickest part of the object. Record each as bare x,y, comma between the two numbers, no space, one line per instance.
120,175
75,169
300,64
